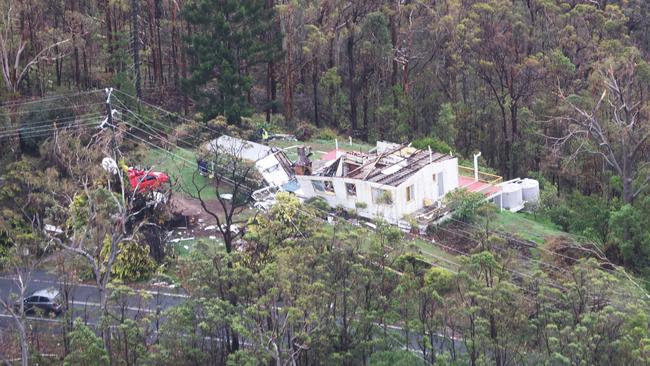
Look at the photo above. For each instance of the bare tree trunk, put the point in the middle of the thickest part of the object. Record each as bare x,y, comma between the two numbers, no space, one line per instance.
393,24
174,46
288,65
135,38
157,15
77,72
152,40
314,84
351,77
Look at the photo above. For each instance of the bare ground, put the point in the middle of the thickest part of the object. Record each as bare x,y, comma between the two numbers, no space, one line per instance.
190,207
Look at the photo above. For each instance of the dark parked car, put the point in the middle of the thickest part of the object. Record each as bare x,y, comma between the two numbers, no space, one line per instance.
45,302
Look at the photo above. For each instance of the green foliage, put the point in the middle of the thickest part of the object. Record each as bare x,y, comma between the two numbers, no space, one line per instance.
243,358
304,131
436,144
465,204
132,263
415,263
375,27
100,204
630,234
286,220
439,279
319,204
587,216
445,127
395,358
86,347
226,39
326,134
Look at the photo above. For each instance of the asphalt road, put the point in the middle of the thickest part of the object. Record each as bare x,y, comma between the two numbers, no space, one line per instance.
85,304
85,298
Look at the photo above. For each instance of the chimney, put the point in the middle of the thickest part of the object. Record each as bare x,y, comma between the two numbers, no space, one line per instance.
303,164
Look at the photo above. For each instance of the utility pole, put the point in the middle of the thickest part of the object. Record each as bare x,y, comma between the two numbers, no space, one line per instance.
135,11
109,119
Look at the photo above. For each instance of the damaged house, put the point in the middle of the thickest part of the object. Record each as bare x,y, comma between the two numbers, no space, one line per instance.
390,182
271,163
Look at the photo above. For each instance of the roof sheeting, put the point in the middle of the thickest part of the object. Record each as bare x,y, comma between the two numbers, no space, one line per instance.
247,150
395,165
411,165
273,170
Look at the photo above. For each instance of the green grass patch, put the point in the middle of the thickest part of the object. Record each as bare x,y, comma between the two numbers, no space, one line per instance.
180,165
525,226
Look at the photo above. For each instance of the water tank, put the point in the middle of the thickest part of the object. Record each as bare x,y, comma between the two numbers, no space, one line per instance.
511,196
530,190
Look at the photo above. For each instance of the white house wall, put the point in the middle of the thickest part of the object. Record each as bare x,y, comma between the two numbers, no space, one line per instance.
340,197
424,188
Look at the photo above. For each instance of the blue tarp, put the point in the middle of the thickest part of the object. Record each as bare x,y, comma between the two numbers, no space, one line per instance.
291,186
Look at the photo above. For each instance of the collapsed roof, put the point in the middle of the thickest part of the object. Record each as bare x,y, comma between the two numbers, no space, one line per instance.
243,149
271,163
390,164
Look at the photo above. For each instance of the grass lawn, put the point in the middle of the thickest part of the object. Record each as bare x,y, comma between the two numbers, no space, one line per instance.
525,226
181,167
321,146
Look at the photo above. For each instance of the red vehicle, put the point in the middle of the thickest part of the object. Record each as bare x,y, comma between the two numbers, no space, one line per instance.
143,181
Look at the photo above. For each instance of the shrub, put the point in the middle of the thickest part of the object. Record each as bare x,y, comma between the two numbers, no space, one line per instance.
86,347
560,215
305,131
191,134
435,143
418,264
360,205
326,134
133,262
319,204
465,204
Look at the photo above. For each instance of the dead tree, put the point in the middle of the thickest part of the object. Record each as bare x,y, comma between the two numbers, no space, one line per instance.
233,180
617,129
14,61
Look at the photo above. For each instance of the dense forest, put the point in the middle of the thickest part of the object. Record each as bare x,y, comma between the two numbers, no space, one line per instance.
557,90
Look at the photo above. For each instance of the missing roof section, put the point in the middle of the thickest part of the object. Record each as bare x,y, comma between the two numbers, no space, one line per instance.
391,164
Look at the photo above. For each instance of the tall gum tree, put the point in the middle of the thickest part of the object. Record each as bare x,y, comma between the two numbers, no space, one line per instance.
616,127
16,61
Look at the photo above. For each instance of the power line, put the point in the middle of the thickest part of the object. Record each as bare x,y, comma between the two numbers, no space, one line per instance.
42,131
28,101
601,255
143,118
34,111
207,128
49,123
202,125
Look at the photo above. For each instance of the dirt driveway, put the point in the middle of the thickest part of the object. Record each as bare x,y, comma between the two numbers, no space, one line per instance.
190,207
